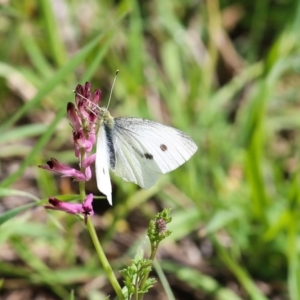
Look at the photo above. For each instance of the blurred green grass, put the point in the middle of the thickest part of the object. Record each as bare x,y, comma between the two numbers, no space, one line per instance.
225,73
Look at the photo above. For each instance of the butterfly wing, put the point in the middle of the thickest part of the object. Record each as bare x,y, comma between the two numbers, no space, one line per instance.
145,148
102,164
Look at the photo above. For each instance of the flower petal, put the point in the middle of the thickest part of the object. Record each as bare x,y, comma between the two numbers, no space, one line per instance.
70,208
87,205
55,166
85,208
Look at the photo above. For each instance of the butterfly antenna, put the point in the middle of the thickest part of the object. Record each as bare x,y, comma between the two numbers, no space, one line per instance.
112,87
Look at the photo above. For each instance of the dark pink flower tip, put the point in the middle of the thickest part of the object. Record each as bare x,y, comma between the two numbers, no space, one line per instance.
87,205
73,116
55,166
73,208
83,92
82,100
79,92
79,89
87,90
97,96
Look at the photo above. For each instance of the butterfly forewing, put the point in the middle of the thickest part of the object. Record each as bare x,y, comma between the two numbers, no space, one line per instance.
147,148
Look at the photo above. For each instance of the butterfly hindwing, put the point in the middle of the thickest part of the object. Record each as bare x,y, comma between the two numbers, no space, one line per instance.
130,162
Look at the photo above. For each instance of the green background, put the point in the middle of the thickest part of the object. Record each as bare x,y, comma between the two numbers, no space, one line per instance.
224,72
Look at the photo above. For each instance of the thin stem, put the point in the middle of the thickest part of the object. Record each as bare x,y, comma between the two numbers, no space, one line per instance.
136,285
154,248
82,190
106,266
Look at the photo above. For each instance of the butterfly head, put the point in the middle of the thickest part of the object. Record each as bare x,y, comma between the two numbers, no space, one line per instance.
105,116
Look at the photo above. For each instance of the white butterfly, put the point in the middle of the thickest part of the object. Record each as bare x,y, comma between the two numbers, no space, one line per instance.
138,150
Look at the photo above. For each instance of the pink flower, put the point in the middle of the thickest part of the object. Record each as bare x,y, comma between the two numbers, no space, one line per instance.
87,205
87,162
81,142
73,116
55,166
84,208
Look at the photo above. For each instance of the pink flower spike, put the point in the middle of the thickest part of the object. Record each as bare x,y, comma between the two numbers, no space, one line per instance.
55,166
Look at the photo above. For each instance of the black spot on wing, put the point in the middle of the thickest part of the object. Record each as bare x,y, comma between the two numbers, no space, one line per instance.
110,145
163,147
148,155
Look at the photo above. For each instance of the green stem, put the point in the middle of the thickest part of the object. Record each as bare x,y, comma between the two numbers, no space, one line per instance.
136,285
154,248
82,190
106,266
